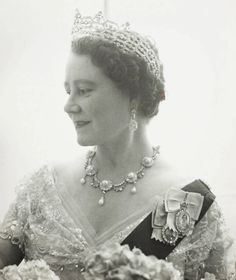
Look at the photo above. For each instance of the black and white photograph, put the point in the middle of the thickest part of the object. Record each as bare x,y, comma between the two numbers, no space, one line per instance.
117,147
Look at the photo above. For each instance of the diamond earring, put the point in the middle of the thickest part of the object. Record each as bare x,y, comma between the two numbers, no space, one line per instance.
133,125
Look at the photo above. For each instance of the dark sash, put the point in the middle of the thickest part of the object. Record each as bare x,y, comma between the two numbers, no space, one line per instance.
140,237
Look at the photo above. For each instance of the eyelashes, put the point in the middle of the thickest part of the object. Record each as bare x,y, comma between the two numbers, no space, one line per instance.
80,91
67,89
83,91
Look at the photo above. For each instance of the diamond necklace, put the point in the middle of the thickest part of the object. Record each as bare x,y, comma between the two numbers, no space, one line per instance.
107,185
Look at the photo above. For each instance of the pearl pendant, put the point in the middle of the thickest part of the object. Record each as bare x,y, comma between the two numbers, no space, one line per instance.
107,185
82,181
101,201
133,190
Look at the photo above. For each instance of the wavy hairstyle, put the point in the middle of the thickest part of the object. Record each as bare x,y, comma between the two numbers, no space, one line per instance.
129,72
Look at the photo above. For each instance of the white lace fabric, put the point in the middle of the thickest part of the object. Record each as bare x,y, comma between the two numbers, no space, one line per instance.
40,224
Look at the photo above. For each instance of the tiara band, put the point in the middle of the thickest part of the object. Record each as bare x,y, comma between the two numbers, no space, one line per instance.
129,42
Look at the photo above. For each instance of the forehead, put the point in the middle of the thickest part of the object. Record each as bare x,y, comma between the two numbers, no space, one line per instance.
81,67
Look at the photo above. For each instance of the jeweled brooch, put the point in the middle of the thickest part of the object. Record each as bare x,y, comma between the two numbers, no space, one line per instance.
175,216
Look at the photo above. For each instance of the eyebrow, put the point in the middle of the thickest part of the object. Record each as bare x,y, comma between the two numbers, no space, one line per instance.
82,81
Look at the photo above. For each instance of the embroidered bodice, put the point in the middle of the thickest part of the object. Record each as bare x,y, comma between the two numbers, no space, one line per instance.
41,222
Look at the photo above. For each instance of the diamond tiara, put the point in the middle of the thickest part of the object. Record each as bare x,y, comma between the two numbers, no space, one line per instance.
129,42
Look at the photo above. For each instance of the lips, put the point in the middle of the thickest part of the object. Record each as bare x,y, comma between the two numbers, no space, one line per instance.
79,124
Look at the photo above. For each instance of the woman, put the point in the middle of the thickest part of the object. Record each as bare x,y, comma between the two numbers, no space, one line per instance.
120,191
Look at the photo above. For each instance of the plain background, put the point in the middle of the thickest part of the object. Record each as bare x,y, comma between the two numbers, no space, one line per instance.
196,125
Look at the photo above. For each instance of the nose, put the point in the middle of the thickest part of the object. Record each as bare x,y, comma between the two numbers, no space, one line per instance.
71,107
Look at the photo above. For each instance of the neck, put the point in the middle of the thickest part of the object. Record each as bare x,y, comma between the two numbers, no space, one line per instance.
123,154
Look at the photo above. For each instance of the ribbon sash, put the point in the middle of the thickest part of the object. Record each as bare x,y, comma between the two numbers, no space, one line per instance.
140,237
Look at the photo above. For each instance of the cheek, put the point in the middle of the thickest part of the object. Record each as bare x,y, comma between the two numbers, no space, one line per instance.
112,114
108,109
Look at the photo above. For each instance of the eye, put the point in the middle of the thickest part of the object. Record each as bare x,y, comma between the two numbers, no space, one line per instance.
83,91
67,89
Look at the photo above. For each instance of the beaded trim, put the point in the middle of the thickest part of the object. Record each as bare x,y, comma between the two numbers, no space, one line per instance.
126,40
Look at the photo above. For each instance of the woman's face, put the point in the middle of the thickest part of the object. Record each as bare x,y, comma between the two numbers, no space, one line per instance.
98,109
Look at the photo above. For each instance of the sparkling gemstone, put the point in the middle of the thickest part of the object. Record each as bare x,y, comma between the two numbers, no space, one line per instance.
133,190
131,177
147,162
101,201
156,149
91,170
95,182
90,154
169,235
13,227
82,181
140,175
105,185
133,125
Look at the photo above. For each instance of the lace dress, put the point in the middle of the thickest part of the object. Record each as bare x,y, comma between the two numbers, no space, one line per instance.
41,221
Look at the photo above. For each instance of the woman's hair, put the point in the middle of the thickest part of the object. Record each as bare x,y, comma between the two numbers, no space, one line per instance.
129,72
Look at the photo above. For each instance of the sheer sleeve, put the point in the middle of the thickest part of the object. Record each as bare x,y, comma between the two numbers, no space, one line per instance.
209,249
16,221
12,226
221,259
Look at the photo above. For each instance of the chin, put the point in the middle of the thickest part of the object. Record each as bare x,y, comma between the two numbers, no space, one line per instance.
84,141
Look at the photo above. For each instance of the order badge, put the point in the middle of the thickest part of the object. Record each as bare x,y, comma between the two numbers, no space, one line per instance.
169,235
183,220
